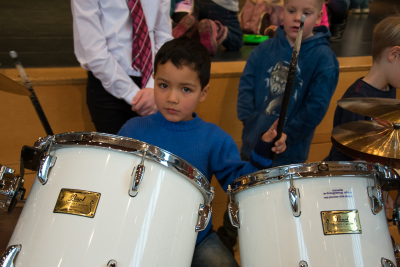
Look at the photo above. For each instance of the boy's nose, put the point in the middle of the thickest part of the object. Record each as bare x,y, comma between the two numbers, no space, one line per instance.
172,96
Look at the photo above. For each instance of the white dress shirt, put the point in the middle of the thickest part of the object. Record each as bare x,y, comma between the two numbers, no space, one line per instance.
103,40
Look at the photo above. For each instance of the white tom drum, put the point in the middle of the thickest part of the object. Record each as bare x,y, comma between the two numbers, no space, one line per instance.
105,200
312,214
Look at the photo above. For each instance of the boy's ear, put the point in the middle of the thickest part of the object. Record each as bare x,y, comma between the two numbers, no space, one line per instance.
319,18
204,93
152,75
394,53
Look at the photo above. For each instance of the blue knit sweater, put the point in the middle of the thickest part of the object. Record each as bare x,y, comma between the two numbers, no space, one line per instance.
204,145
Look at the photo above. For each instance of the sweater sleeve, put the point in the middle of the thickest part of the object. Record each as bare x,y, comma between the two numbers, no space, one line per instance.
228,166
315,106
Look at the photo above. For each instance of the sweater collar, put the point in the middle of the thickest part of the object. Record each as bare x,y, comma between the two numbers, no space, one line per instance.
177,126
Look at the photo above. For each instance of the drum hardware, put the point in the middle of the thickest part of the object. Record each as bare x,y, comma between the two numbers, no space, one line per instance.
11,189
233,209
396,211
137,174
387,263
204,217
397,251
47,161
7,260
294,198
303,264
375,194
112,263
3,170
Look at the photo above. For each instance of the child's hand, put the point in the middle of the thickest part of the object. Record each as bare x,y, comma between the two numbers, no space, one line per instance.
280,145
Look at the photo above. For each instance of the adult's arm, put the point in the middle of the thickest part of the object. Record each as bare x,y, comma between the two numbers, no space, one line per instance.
93,54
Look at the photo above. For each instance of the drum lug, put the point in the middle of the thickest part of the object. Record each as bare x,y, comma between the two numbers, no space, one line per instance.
233,212
7,260
375,194
233,208
205,212
112,263
137,175
46,162
387,263
294,198
303,264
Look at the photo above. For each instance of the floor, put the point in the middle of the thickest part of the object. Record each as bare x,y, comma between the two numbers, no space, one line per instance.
41,33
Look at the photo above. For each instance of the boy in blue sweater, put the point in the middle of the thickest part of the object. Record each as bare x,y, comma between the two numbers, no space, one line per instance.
263,81
381,81
182,74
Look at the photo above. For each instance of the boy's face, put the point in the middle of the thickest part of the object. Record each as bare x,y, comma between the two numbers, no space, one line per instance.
177,92
293,10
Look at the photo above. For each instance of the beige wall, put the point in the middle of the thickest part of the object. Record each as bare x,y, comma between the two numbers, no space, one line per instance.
61,92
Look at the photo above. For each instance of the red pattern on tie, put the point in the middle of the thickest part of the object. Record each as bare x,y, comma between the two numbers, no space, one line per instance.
141,44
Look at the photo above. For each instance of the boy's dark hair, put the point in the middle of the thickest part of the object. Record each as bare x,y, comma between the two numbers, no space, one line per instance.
184,51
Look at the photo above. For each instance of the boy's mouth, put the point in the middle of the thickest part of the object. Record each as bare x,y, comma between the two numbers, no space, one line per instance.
171,110
296,29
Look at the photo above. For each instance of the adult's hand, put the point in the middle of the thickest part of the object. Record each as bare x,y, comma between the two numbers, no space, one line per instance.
143,102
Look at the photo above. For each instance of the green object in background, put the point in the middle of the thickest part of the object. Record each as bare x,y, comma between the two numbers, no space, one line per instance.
254,38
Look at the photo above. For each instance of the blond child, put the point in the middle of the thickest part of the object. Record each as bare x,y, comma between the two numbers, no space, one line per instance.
263,81
382,79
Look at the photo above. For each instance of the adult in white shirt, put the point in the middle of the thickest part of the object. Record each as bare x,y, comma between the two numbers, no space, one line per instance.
103,46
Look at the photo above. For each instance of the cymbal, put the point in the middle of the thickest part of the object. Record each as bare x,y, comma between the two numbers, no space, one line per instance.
383,108
375,141
10,86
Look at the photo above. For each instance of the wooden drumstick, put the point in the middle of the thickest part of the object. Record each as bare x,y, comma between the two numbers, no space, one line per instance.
33,97
289,82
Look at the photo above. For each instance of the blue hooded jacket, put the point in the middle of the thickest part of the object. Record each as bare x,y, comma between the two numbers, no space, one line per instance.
262,86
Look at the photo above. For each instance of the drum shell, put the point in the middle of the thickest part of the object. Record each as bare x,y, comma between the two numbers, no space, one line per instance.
270,235
155,228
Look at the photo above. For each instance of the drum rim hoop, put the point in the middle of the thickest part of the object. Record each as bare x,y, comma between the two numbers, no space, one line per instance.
132,146
305,170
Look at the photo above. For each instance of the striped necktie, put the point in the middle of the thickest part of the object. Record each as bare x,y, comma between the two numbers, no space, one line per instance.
141,44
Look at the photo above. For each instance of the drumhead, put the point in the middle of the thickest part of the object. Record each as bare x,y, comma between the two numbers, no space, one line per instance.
130,146
313,170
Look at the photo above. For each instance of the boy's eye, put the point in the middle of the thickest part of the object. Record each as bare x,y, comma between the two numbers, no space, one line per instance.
186,90
163,85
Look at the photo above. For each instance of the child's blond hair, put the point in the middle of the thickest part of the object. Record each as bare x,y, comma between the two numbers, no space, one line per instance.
386,34
320,3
